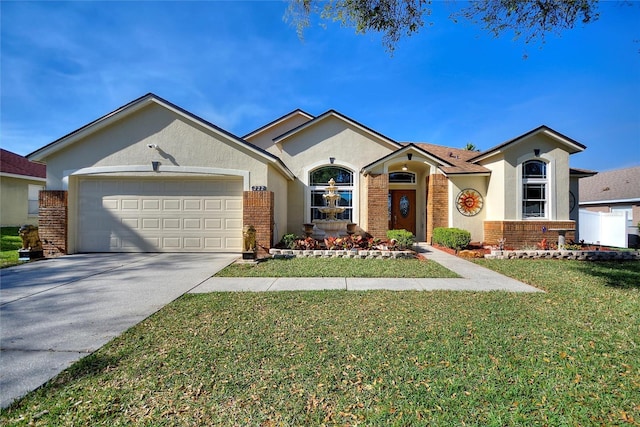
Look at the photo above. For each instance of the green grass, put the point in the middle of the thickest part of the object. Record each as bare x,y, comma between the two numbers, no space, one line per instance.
338,267
10,242
570,356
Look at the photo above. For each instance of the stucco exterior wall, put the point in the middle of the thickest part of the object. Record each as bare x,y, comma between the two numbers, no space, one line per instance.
311,148
494,203
509,186
473,224
182,144
264,139
279,186
14,201
330,138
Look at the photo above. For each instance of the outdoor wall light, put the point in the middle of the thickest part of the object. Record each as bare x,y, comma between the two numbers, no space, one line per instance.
536,151
409,156
404,167
155,165
332,160
153,146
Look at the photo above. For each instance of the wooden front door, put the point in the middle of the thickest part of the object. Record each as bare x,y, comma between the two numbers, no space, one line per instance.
403,210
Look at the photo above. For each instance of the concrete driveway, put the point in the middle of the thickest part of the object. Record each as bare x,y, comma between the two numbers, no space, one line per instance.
54,312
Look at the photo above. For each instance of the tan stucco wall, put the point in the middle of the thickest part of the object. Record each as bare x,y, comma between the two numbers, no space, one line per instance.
494,203
182,143
557,159
14,203
264,139
473,224
331,137
311,148
278,185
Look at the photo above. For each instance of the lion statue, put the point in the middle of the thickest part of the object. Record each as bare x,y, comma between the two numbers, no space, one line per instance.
249,238
30,239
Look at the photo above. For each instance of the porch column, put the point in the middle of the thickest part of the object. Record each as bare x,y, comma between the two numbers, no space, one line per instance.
378,205
437,203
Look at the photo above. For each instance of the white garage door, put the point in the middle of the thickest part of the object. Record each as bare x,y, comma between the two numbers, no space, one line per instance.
159,215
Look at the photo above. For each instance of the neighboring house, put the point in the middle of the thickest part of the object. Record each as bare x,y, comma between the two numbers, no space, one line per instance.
151,176
20,183
615,191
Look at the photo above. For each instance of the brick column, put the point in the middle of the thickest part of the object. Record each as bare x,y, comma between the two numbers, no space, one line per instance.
378,205
437,203
53,222
257,210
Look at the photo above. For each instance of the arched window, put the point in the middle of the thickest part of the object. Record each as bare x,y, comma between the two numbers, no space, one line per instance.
534,189
318,183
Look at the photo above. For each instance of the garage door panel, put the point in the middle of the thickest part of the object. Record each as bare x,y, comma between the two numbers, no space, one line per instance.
130,204
192,205
233,205
151,204
137,215
233,224
171,205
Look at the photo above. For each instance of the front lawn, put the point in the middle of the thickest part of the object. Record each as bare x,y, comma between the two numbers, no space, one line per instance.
338,267
570,356
10,242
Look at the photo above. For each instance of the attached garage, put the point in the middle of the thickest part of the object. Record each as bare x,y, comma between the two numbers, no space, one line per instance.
154,214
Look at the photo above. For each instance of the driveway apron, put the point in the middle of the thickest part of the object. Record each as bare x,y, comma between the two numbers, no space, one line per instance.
54,312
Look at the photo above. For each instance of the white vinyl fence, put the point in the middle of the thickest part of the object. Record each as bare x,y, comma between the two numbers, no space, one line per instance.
607,229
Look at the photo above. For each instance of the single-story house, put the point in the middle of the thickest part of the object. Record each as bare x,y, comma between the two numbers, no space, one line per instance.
151,176
615,191
20,184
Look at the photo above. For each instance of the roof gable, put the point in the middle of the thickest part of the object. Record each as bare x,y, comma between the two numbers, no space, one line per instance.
350,122
15,164
298,113
136,105
572,145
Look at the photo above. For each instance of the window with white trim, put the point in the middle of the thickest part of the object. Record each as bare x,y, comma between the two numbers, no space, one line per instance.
534,189
318,183
402,178
33,203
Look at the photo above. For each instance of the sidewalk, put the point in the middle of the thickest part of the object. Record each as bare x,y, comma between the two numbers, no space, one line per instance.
473,278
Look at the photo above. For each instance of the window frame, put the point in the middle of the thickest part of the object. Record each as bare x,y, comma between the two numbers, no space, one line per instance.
530,181
33,200
318,188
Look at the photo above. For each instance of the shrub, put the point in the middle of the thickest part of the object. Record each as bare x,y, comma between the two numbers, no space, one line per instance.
289,240
403,238
453,238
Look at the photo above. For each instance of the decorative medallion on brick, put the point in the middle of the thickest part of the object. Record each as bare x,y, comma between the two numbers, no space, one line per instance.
469,202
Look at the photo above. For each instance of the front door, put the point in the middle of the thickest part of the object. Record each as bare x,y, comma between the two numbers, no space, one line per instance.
403,210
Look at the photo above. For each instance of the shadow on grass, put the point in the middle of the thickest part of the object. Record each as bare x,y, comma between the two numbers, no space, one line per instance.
617,274
93,365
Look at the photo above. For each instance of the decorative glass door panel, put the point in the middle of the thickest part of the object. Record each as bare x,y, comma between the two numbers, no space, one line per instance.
403,210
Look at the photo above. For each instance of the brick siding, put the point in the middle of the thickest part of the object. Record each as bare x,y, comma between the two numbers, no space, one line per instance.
437,203
378,205
522,234
257,211
53,221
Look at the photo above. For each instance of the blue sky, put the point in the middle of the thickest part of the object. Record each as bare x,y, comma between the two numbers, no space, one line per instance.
239,65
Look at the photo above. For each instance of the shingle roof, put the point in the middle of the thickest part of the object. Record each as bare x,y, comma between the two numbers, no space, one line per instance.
619,184
459,158
16,164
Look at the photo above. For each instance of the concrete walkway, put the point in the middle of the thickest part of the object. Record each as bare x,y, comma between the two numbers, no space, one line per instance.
473,278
